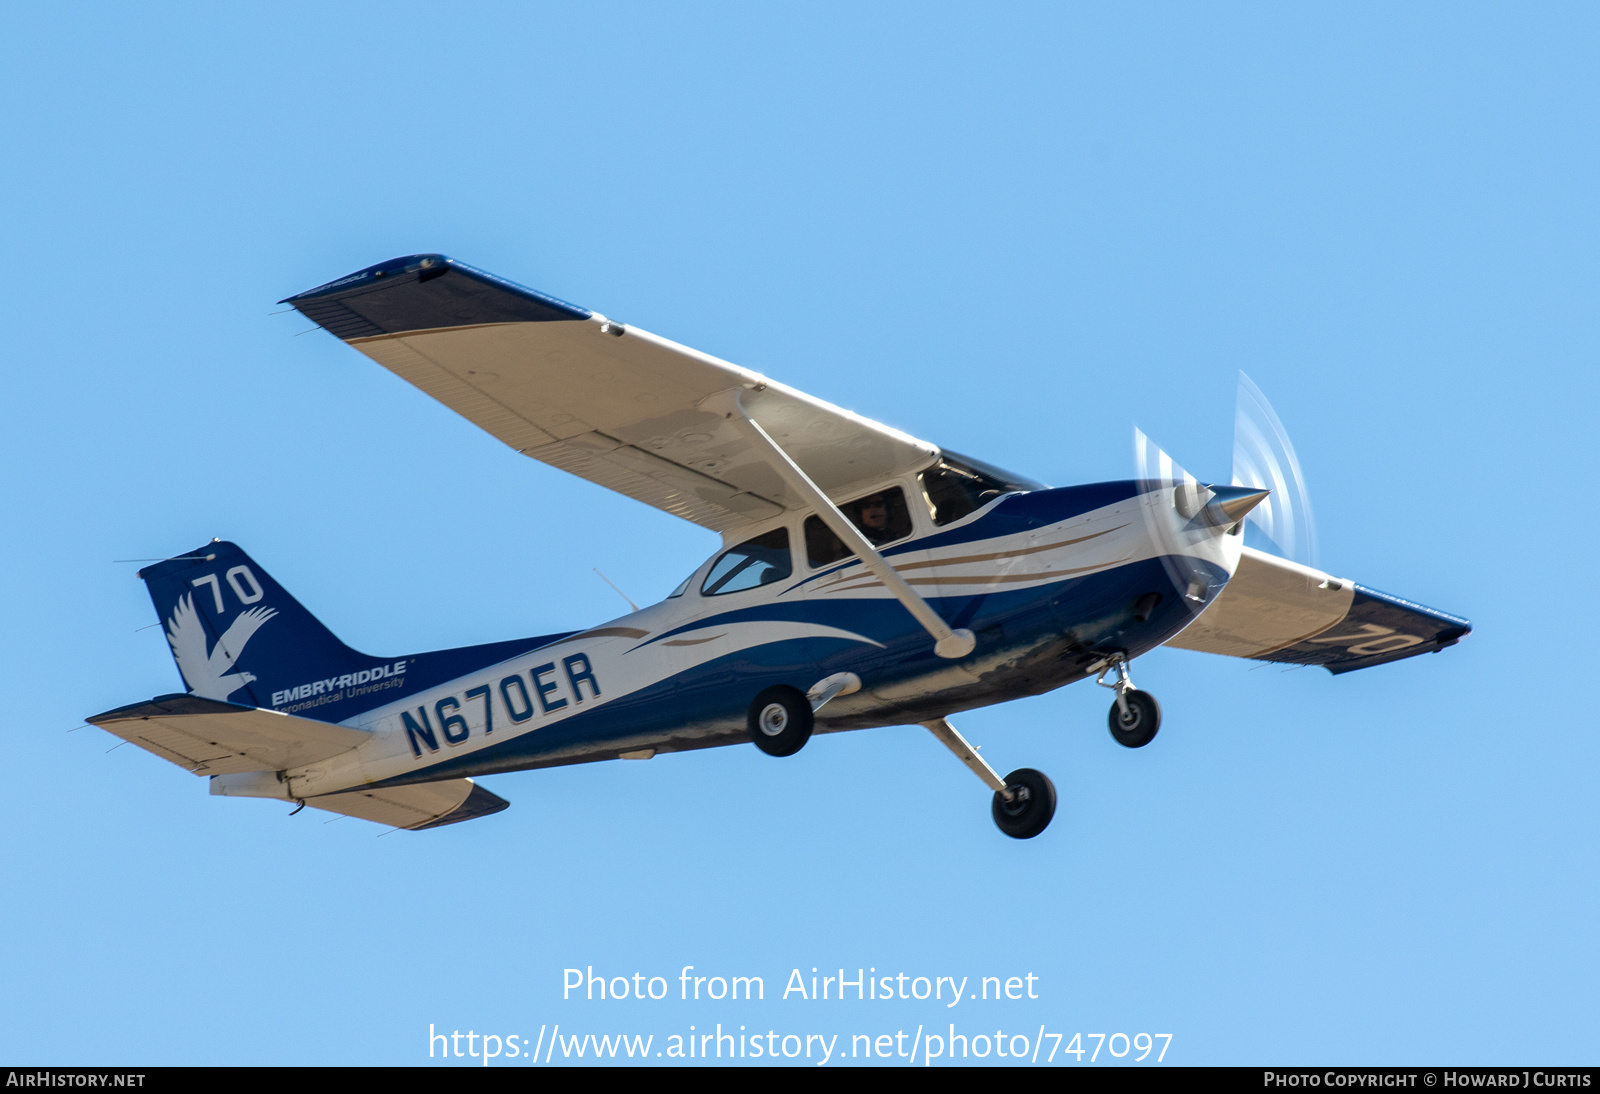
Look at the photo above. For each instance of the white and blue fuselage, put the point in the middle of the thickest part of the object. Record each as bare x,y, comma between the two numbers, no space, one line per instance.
1051,582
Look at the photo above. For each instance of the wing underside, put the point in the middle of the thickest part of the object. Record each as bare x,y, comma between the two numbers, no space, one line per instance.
607,402
1276,610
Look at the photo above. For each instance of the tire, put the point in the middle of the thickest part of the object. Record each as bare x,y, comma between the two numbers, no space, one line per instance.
1026,818
1139,728
780,721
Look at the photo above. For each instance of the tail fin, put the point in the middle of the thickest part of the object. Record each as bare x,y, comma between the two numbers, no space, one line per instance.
239,637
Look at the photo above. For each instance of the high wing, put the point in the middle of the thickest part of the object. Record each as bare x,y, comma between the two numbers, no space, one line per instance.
210,737
1276,610
611,403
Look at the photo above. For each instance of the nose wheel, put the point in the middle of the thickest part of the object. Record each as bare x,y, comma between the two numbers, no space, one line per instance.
1135,717
1031,803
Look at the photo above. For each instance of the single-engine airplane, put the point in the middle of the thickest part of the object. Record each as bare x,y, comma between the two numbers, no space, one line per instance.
866,578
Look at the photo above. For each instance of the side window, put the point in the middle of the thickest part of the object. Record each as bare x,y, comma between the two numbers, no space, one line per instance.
881,517
752,564
954,490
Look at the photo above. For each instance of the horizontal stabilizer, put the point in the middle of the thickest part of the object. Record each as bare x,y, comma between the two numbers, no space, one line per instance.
415,807
1276,610
210,737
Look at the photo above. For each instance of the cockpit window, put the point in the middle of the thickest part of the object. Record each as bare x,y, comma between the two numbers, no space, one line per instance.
955,489
683,587
752,564
881,517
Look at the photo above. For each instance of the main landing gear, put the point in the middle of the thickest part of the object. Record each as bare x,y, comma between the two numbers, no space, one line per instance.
1024,801
1136,716
780,721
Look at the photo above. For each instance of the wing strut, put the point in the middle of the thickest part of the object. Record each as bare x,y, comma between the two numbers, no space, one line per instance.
948,643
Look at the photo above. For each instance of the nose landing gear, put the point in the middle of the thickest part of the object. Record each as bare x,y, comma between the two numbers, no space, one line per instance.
1136,716
1030,807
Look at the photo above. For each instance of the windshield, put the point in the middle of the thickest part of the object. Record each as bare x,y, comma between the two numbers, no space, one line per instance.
752,564
955,489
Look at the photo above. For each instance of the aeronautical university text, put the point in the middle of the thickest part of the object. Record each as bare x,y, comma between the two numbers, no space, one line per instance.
335,688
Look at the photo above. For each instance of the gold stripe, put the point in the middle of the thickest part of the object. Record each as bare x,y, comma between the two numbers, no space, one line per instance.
994,579
611,632
964,559
692,641
844,575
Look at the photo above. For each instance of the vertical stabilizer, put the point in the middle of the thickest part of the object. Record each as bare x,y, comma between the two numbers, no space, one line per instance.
238,636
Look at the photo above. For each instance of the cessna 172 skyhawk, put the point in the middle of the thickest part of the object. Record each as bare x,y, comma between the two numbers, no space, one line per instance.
867,578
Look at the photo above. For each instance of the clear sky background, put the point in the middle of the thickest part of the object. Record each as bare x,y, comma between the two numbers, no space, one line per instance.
1012,230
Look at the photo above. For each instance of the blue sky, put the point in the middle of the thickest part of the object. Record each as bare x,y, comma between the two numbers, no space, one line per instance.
1013,230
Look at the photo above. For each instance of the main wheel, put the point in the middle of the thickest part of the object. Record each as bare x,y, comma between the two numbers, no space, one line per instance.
1029,811
780,721
1138,727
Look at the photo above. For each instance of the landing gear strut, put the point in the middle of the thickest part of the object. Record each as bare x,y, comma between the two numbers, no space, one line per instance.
1024,801
1136,716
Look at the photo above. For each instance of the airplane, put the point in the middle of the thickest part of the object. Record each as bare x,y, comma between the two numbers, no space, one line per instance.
866,578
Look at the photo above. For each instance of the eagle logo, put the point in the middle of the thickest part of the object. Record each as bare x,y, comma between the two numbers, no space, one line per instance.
209,674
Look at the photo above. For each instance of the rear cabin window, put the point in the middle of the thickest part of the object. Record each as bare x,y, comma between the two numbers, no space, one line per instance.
752,564
954,490
881,517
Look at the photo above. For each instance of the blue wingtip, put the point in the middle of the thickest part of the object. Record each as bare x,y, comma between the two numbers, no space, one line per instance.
413,293
374,274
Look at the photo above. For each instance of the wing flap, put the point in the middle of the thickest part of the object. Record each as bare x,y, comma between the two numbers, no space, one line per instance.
417,806
209,737
1276,610
613,404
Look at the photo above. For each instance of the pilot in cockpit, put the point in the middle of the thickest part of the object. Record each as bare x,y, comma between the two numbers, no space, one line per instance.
873,519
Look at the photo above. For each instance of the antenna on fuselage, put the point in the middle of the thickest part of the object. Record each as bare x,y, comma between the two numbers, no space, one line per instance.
614,588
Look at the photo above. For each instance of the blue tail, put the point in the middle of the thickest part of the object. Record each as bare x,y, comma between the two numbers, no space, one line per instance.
237,636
